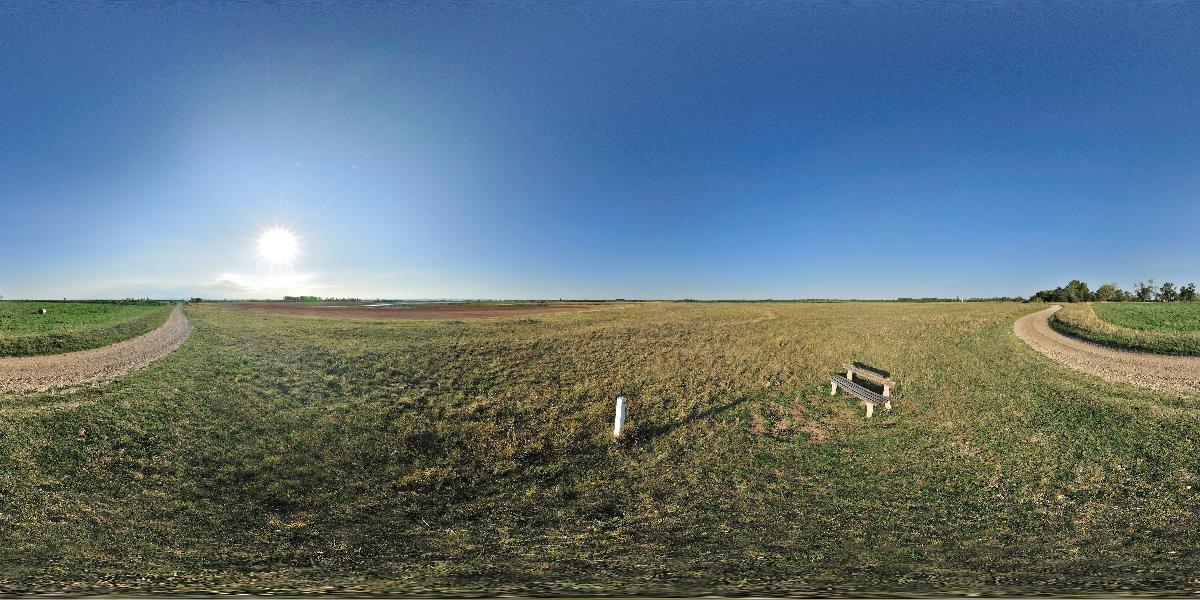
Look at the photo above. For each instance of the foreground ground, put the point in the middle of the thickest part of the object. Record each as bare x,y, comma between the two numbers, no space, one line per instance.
280,453
72,326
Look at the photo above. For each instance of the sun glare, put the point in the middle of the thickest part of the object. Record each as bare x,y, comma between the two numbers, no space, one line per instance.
277,246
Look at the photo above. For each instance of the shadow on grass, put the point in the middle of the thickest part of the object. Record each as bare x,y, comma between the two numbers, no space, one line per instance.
873,369
640,434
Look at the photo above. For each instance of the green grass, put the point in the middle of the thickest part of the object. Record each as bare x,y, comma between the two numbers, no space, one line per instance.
70,326
1152,316
1147,327
291,454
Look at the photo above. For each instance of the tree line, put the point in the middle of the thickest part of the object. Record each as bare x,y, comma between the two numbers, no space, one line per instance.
1143,291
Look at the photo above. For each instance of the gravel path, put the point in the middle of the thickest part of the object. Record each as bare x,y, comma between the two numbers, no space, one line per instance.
1175,374
25,374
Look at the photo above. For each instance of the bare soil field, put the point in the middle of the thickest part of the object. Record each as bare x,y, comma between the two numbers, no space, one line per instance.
413,310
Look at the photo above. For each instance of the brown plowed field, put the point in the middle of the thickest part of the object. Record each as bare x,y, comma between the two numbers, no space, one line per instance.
420,310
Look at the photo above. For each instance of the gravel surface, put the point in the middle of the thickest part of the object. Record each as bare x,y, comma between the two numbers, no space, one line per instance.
26,374
1176,374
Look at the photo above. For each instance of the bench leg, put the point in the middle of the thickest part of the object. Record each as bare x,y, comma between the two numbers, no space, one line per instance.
870,409
887,391
888,405
850,375
832,389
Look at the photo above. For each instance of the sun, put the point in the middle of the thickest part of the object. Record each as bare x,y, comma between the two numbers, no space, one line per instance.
277,246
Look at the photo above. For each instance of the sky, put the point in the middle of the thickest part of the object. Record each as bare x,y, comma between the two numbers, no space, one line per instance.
597,150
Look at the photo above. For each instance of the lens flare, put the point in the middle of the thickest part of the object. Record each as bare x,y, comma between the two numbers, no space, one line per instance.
277,246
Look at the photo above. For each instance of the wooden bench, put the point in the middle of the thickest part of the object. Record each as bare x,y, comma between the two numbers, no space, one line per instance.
869,375
870,397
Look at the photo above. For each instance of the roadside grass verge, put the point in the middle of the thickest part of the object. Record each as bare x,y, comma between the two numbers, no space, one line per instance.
1162,328
71,326
278,454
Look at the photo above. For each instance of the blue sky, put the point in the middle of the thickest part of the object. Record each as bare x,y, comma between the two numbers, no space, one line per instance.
598,150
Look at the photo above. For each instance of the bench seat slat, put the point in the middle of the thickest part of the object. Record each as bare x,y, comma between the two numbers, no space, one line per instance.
861,392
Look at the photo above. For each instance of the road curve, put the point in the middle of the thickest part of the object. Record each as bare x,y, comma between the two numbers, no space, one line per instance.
1164,373
25,374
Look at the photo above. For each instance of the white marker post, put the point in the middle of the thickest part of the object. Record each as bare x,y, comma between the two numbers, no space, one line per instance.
619,421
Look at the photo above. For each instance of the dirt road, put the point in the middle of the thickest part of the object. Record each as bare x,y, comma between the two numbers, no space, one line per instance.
1175,374
26,374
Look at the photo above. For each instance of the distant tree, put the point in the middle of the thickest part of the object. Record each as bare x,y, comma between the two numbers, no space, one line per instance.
1058,294
1047,296
996,299
1187,293
1144,291
1077,291
1167,293
1109,292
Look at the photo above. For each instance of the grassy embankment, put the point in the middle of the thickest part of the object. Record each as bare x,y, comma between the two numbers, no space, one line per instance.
70,326
277,453
1165,328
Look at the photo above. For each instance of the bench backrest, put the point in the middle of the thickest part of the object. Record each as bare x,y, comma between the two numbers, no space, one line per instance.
869,375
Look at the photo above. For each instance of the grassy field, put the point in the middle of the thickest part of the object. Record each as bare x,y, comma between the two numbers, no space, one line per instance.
300,454
1165,328
1152,316
69,326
